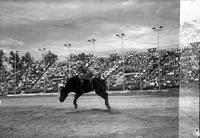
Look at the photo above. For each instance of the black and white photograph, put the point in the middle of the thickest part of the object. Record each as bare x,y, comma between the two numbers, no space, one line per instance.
99,68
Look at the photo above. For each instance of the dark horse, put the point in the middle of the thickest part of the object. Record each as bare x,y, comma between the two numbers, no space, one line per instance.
81,86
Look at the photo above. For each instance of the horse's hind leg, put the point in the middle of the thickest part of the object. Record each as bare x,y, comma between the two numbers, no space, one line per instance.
104,95
107,103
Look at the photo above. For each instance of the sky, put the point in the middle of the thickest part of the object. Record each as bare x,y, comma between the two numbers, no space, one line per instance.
189,21
189,10
27,25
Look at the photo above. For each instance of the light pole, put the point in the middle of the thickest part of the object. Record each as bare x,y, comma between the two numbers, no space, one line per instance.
197,22
92,41
158,29
15,72
69,46
121,36
44,83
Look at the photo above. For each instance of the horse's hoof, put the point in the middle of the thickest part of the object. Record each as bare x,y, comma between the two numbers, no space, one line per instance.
75,107
75,110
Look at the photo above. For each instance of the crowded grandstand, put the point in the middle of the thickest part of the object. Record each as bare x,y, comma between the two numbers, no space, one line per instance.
141,70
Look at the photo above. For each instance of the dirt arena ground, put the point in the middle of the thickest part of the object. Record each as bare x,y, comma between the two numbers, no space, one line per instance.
131,117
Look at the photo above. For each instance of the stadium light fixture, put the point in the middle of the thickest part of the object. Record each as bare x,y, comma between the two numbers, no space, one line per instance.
92,41
44,82
121,36
42,49
158,29
68,45
197,22
69,65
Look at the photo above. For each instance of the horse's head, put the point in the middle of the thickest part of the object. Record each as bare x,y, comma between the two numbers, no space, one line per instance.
62,94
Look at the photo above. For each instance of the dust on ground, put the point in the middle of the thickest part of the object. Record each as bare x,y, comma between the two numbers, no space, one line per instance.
131,116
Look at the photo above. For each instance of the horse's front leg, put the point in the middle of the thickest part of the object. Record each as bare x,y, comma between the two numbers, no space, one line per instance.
77,95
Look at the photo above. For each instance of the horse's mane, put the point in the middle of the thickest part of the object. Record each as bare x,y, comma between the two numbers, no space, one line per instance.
72,81
76,77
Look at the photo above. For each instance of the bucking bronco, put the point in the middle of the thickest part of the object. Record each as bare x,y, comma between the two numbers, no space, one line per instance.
81,86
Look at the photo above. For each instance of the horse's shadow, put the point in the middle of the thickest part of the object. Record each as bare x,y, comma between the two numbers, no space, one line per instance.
92,111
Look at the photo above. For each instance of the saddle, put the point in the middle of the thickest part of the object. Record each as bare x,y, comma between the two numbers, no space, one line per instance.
86,83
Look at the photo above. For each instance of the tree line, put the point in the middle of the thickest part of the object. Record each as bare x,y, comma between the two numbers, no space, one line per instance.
20,63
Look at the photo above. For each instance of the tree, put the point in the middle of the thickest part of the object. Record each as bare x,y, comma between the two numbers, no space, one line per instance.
114,57
81,57
15,60
26,59
2,55
50,58
102,60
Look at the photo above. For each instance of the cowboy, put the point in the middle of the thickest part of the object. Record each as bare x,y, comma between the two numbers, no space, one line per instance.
85,73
